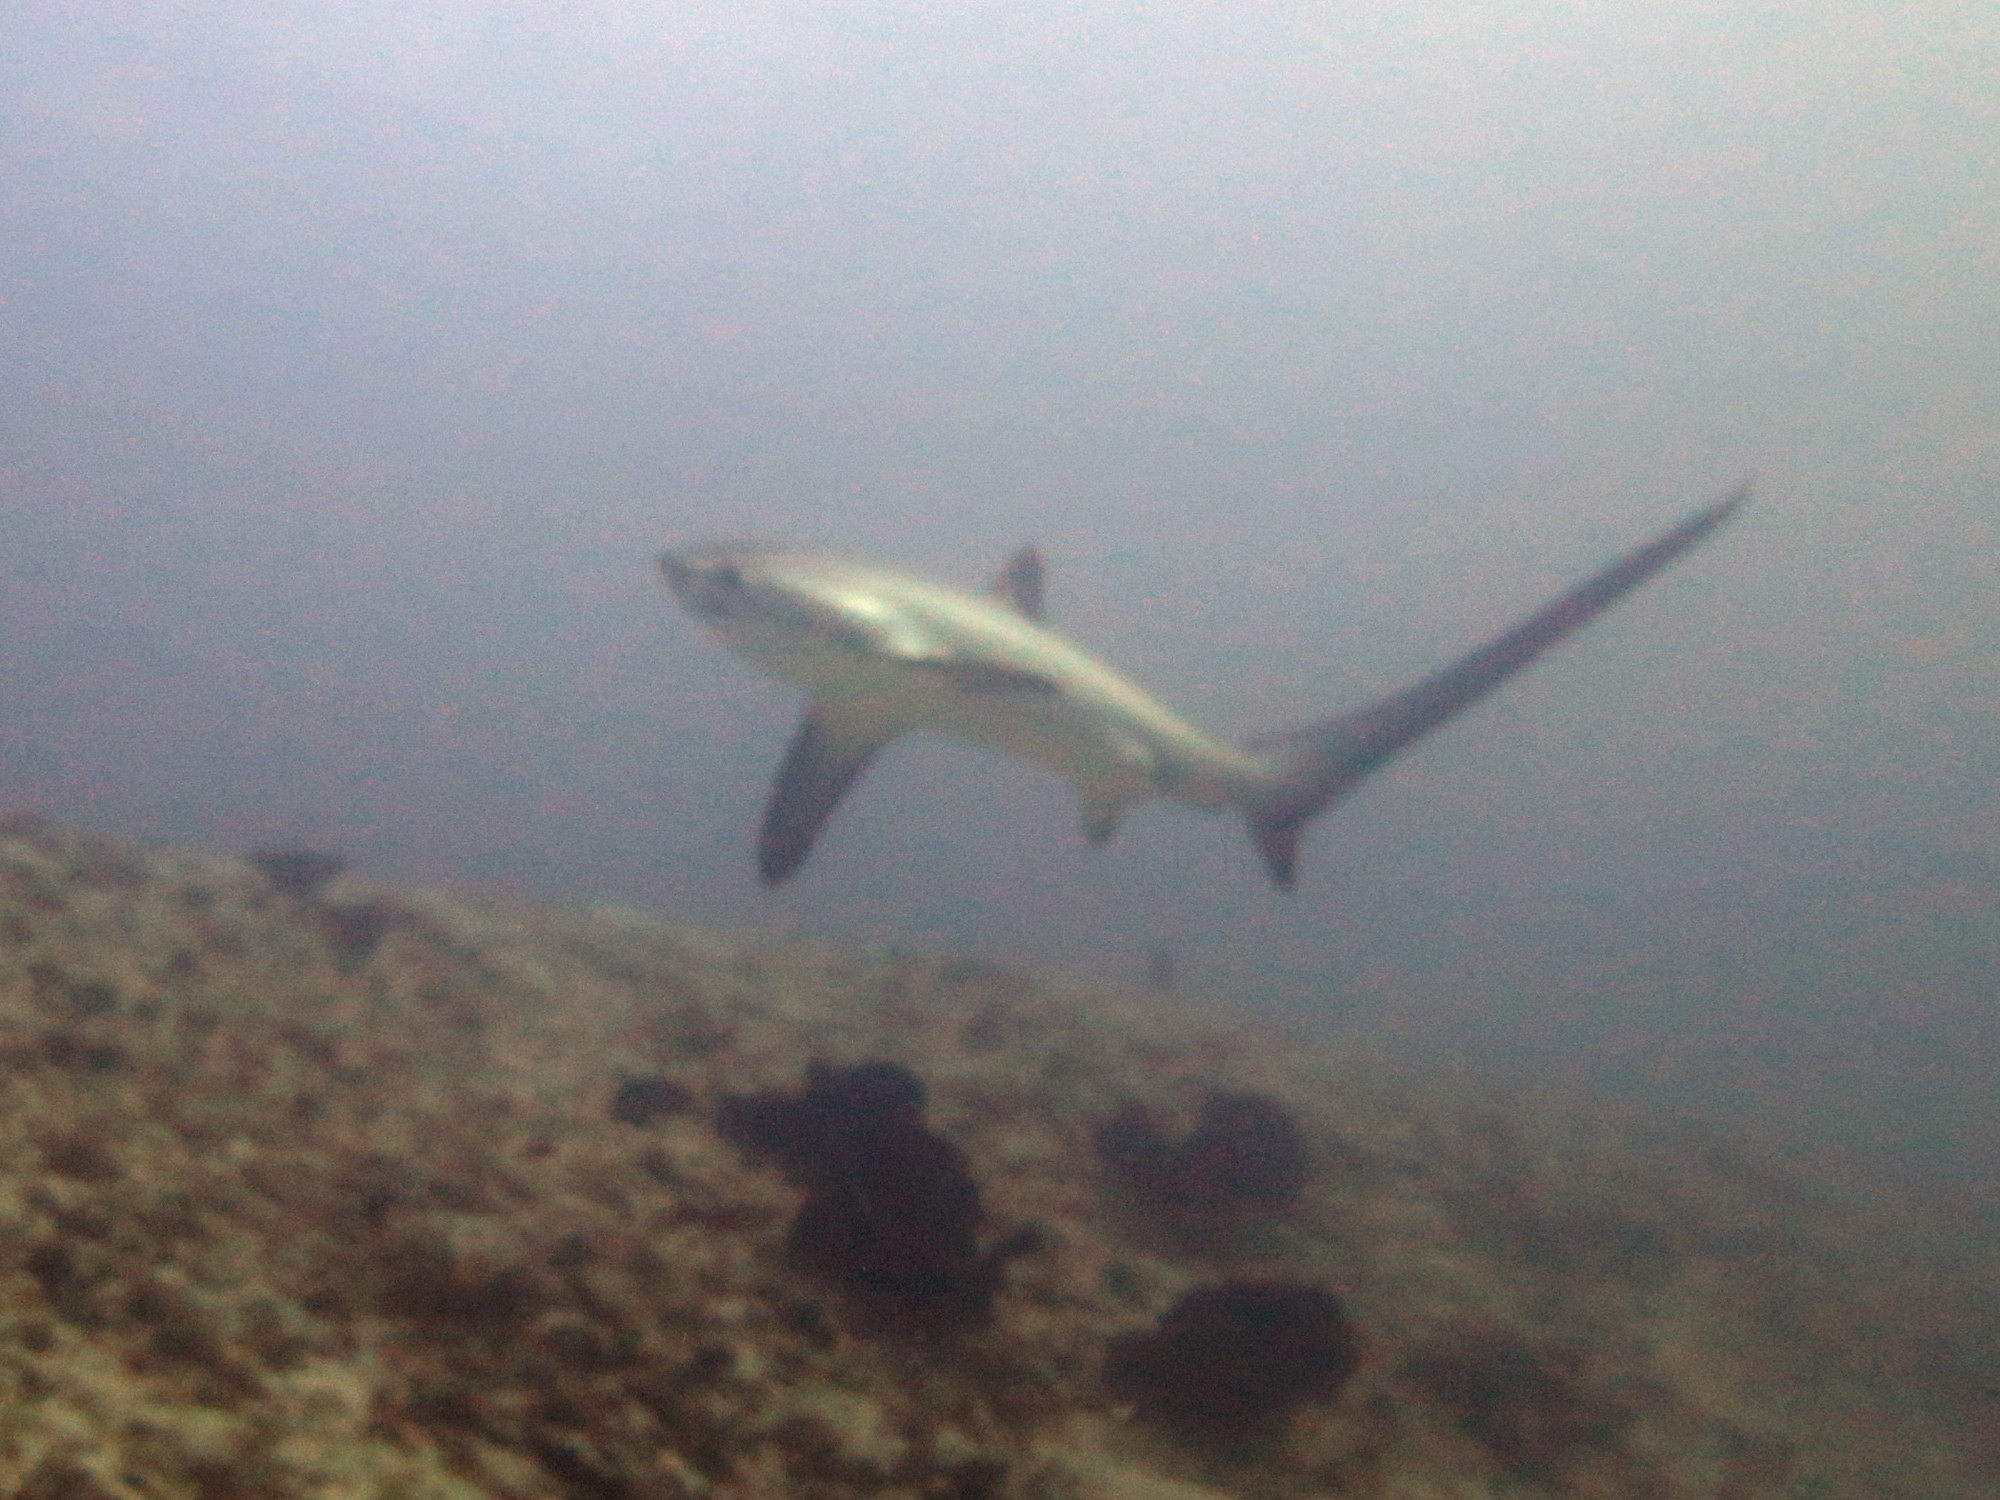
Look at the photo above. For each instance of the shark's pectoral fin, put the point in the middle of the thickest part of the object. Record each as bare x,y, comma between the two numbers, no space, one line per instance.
827,756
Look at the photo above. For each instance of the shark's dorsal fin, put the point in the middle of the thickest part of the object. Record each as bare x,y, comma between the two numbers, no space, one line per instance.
1020,583
828,753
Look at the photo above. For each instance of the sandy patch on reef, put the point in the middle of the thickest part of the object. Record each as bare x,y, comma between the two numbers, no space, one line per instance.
328,1197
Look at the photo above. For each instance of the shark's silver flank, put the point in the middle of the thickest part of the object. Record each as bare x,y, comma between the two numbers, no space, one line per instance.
881,653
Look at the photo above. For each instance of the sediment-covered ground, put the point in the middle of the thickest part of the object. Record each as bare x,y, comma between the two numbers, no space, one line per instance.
311,1188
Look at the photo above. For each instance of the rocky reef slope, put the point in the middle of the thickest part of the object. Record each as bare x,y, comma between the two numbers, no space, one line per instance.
309,1188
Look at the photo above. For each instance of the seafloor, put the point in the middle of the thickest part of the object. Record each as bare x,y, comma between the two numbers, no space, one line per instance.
342,1191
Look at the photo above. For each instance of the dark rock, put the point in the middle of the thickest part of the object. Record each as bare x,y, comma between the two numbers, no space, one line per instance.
1228,1364
891,1212
297,872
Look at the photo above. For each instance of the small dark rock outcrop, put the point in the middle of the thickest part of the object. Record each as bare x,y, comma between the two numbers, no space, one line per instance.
297,872
1229,1364
891,1212
1245,1155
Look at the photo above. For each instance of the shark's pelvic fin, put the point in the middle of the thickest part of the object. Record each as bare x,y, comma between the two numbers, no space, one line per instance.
1316,765
1100,818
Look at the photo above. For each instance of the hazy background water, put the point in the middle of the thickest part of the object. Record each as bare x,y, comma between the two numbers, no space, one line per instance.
355,360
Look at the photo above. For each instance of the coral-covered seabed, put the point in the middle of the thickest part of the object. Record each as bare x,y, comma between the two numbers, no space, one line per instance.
313,1188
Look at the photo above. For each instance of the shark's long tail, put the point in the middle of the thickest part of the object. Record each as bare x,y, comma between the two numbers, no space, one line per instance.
1315,765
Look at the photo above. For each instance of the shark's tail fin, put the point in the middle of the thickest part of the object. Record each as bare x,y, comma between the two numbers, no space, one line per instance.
1313,766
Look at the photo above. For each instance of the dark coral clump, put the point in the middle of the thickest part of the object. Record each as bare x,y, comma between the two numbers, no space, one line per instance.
891,1212
1228,1365
297,872
1245,1155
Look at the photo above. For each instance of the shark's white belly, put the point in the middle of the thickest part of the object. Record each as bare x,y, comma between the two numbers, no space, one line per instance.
1108,738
